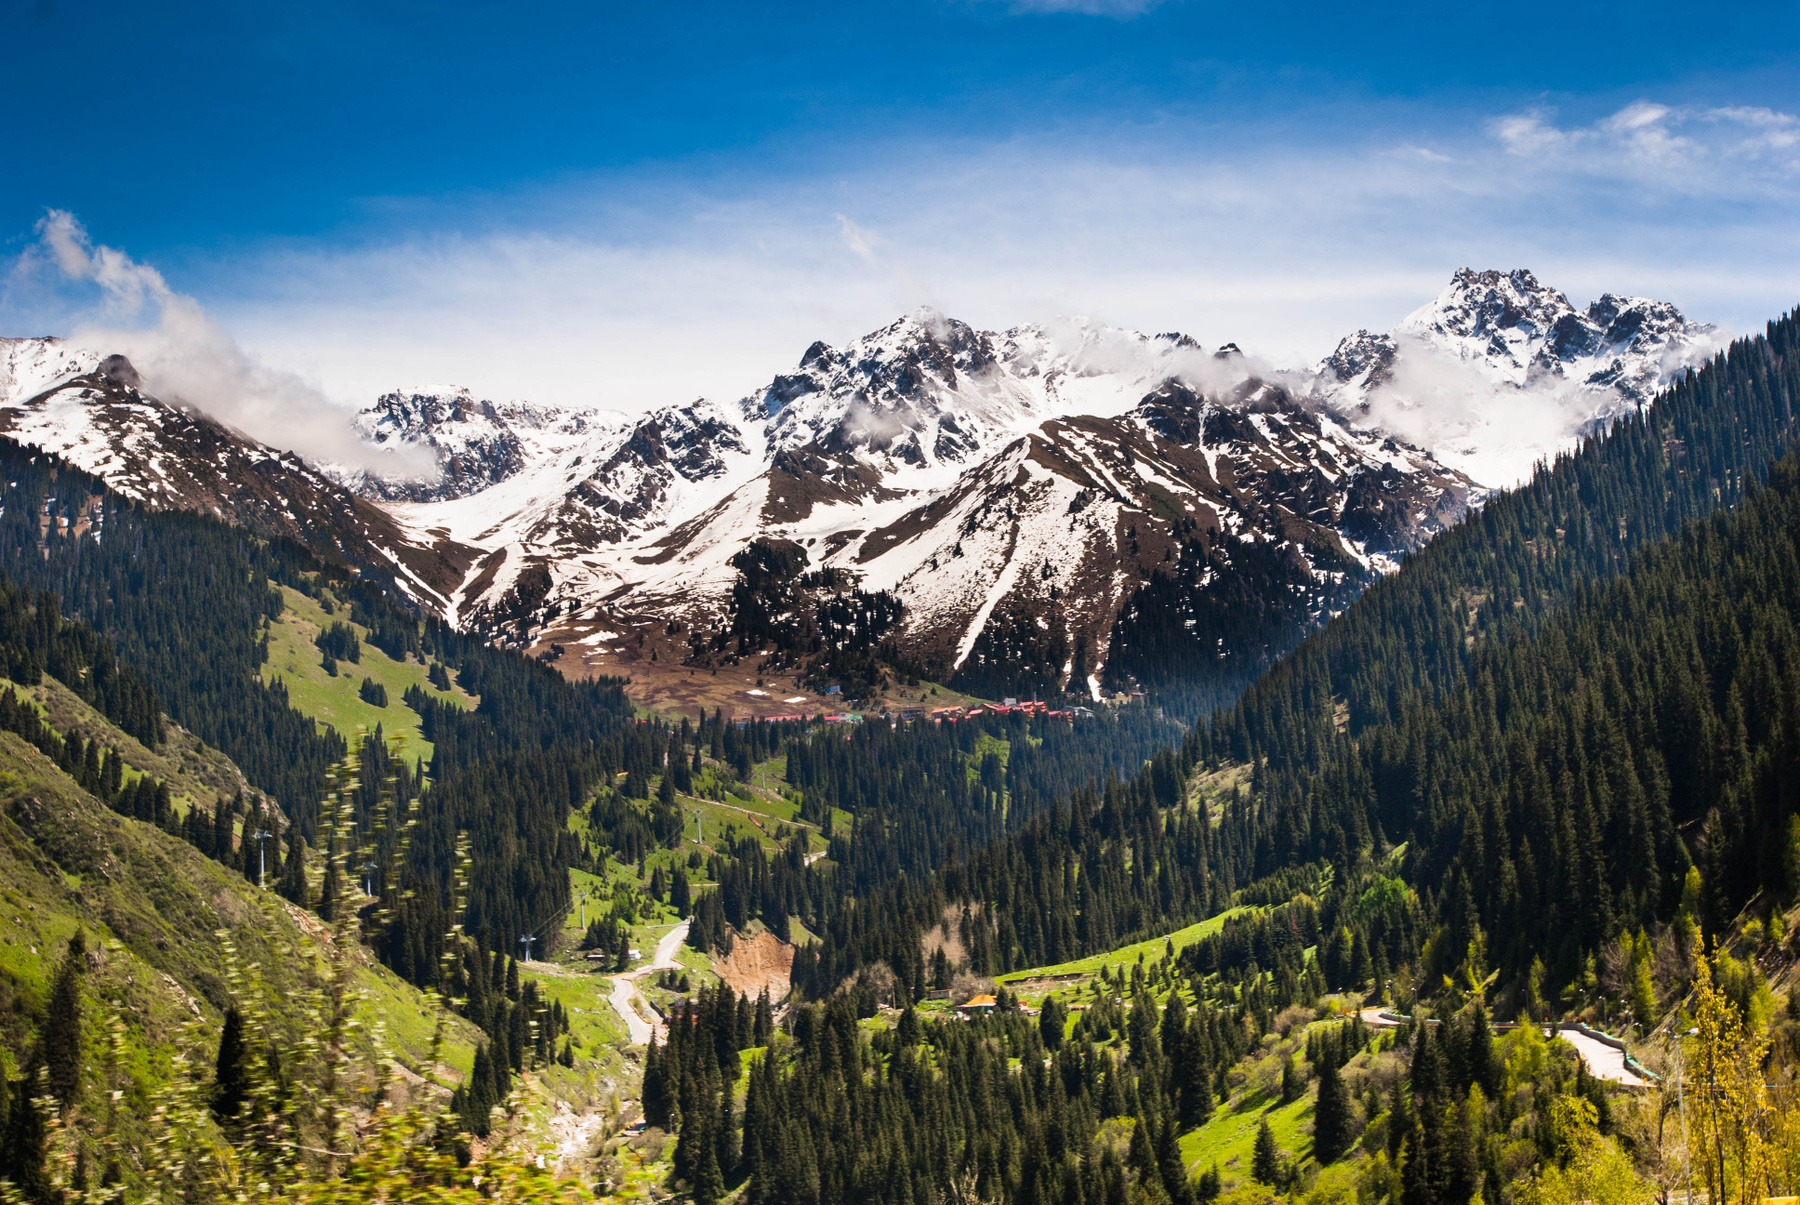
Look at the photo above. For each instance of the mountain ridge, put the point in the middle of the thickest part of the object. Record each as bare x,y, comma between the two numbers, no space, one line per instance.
1049,473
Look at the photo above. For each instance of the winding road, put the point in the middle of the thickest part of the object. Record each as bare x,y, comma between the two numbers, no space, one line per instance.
625,994
1603,1061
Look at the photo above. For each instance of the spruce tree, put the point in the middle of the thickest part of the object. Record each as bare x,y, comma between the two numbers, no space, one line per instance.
331,888
707,1183
1331,1113
1293,1081
765,1019
1484,1068
658,1099
1052,1020
22,1146
1168,1161
231,1082
61,1035
1196,1086
291,886
1265,1163
725,1137
1142,1156
479,1092
1461,1176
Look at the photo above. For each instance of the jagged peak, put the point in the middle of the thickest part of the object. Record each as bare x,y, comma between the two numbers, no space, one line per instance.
1477,303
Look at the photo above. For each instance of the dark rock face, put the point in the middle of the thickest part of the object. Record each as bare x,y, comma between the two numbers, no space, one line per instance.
1362,353
473,445
118,371
181,459
1072,485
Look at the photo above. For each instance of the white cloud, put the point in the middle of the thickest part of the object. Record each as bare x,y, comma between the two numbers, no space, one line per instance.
184,356
1690,149
658,293
1120,9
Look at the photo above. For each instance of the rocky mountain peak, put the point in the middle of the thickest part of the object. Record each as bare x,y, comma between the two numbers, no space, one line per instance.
1497,309
472,445
1500,370
118,370
1008,488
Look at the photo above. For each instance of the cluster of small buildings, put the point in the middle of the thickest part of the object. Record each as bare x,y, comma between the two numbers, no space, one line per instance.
950,715
977,1006
936,715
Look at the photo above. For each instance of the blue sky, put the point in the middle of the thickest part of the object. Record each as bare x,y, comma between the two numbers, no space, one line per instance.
637,204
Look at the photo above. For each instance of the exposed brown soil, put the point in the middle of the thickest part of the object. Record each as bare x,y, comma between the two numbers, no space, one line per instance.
763,961
663,685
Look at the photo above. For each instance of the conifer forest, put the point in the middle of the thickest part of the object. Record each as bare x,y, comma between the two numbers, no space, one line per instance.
1473,878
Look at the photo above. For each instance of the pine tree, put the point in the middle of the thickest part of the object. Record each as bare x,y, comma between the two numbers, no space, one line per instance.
725,1137
60,1038
1265,1163
1331,1113
22,1147
1293,1081
658,1099
291,886
230,1076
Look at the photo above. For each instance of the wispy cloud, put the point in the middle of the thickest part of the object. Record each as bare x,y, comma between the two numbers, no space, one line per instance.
1683,149
660,292
1118,9
185,356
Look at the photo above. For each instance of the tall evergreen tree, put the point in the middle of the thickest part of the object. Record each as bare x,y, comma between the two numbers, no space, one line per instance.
1265,1160
22,1147
231,1080
1331,1112
61,1037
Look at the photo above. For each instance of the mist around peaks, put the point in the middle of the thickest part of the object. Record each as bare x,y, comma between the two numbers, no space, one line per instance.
184,357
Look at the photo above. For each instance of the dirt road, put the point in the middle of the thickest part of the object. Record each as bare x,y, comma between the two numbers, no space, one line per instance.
625,995
1603,1061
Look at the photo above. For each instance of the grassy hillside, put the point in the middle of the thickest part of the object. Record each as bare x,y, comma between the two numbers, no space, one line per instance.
1126,956
195,772
153,911
333,700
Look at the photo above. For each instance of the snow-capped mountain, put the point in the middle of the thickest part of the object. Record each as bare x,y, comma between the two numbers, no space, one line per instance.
996,483
1101,503
473,444
1500,371
95,413
29,366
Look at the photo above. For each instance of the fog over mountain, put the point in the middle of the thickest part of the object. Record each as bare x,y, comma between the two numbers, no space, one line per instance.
1014,490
